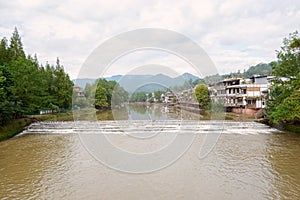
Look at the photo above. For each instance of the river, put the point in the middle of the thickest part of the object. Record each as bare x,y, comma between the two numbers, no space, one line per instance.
249,161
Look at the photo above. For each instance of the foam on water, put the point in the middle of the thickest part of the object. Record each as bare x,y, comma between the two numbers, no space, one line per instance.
148,126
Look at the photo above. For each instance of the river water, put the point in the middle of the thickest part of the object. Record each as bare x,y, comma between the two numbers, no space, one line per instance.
249,161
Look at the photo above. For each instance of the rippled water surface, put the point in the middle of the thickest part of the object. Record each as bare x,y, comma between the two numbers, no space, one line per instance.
249,161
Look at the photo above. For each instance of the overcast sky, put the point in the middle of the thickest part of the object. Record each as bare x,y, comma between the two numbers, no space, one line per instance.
235,33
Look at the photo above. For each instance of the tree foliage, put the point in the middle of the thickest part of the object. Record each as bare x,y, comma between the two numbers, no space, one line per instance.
284,97
104,94
262,69
202,95
138,97
15,48
101,97
28,87
119,96
157,94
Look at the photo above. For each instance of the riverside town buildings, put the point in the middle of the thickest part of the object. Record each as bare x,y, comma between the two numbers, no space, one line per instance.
242,95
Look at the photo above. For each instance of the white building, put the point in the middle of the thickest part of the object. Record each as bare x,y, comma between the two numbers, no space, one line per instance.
242,93
169,97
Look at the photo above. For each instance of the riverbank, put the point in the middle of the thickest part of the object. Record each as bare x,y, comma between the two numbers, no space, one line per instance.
18,125
15,127
295,128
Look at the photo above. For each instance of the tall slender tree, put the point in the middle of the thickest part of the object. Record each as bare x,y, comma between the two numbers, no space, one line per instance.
4,55
16,47
63,86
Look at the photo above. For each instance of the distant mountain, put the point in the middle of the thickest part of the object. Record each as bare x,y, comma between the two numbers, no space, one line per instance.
188,76
161,81
262,69
82,82
146,83
114,78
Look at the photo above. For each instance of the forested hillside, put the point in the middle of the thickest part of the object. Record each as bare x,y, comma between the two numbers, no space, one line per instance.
262,69
26,86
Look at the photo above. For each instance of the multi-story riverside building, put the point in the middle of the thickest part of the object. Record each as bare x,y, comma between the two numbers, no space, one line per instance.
242,95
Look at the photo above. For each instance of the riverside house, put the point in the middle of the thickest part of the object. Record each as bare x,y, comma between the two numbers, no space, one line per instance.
241,95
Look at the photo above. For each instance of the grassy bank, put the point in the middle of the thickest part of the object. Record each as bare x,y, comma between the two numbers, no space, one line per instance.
292,128
295,128
65,116
18,125
14,128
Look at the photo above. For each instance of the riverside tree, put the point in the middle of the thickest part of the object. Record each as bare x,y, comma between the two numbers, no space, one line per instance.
202,95
138,97
26,87
104,94
284,97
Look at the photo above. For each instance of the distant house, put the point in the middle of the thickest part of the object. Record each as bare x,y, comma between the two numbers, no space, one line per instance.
187,95
242,95
169,97
77,90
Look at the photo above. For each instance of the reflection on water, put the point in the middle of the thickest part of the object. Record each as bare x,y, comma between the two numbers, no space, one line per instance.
250,161
150,112
153,112
139,112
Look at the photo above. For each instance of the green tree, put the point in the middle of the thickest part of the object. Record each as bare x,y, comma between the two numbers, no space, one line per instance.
288,58
52,86
108,86
202,95
101,98
284,98
28,87
9,106
259,69
288,110
16,47
4,53
114,94
196,82
138,97
119,96
64,86
87,90
157,94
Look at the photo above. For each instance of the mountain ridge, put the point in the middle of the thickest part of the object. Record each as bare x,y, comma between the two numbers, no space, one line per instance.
134,82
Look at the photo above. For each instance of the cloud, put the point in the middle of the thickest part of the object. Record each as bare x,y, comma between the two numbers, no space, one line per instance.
234,33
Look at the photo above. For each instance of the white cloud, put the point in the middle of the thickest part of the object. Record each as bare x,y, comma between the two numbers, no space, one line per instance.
236,34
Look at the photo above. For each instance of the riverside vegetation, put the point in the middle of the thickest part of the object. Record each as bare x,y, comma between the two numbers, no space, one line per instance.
283,105
283,100
26,87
